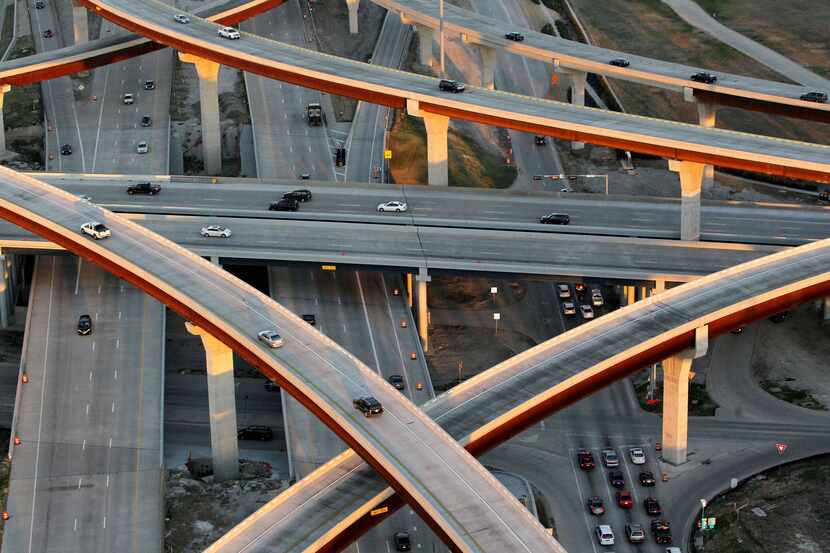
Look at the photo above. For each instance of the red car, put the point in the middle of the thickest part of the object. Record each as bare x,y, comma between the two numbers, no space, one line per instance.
595,506
586,459
624,499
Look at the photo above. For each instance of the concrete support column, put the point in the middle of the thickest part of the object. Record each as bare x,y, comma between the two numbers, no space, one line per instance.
424,45
488,67
436,126
3,89
630,292
659,287
79,22
409,290
643,292
577,84
6,295
707,117
826,310
208,72
353,6
423,317
691,182
222,401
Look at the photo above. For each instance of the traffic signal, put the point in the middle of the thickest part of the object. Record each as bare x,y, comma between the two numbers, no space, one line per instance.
340,157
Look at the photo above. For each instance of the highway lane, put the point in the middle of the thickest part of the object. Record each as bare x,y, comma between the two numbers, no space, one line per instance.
545,374
89,417
785,224
363,81
569,54
438,248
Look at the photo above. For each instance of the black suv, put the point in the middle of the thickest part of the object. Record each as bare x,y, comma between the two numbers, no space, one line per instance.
368,405
397,382
615,477
298,195
447,85
619,62
146,121
84,325
285,204
48,33
310,318
555,219
401,540
540,140
149,85
704,77
820,97
514,36
652,507
255,433
66,150
647,478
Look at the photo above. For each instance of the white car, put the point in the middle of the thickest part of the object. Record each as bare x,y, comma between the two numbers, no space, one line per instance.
394,205
230,33
215,231
568,308
181,18
96,230
638,456
596,298
605,534
587,311
271,338
142,147
128,98
563,290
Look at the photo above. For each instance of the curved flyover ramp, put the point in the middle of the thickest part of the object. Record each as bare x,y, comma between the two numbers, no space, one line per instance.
465,505
420,94
729,90
89,55
331,506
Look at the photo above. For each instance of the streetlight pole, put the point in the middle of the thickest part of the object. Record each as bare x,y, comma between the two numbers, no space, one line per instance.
441,35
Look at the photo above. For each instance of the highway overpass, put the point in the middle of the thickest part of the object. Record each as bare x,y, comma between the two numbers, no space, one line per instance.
420,96
333,505
448,488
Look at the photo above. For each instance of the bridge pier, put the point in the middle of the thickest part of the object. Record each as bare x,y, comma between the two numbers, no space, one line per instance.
488,67
208,72
826,308
353,6
424,45
6,291
4,88
691,182
222,401
422,279
577,85
676,382
79,22
437,127
707,117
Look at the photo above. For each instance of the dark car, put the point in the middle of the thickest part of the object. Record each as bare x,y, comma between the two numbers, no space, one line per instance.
84,325
737,331
555,219
305,176
271,386
310,318
624,499
652,507
779,317
619,62
144,188
661,530
298,195
48,33
514,36
586,459
397,382
66,150
39,5
284,204
647,479
540,140
402,542
262,433
580,289
146,121
704,77
820,97
595,506
448,85
368,405
615,477
149,85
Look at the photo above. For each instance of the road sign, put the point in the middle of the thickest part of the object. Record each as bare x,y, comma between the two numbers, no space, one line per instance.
329,267
387,154
781,448
378,511
494,290
496,316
